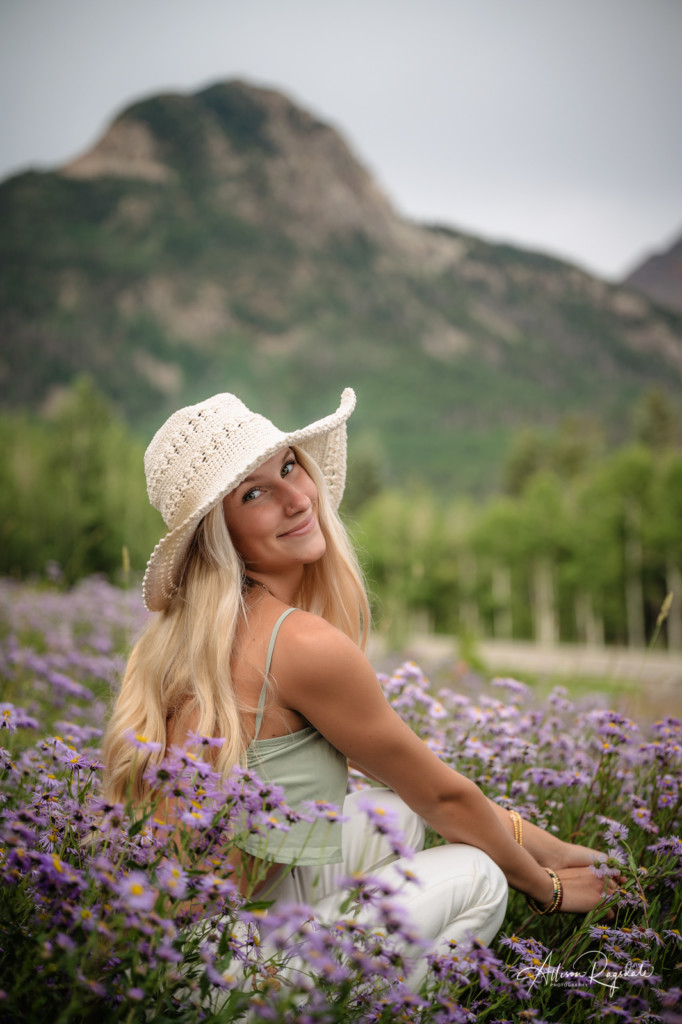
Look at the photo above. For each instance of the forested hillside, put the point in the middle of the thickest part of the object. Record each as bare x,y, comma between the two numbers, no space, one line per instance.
230,241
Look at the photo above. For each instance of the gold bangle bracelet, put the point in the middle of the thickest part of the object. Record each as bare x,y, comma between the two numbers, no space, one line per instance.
517,825
555,905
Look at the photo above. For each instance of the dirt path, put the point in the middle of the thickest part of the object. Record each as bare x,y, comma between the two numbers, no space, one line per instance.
644,683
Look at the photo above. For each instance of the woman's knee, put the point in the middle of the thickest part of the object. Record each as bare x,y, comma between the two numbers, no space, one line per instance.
458,883
497,888
487,902
488,883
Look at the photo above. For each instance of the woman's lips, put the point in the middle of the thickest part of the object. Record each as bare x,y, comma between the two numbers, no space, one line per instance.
302,528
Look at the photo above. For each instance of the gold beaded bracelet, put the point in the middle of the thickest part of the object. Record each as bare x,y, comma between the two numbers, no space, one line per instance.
517,825
555,905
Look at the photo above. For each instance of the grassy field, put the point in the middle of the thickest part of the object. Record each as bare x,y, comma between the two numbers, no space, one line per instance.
105,918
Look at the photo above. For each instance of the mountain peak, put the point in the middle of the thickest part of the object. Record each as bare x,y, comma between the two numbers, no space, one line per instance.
127,150
253,146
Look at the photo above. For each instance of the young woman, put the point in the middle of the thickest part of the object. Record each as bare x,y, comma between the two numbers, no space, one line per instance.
262,619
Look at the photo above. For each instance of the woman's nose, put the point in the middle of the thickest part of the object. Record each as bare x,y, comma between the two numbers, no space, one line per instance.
296,500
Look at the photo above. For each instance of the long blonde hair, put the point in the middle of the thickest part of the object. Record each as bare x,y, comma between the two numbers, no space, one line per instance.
181,666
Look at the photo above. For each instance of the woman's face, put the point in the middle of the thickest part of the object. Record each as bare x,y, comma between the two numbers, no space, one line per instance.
273,520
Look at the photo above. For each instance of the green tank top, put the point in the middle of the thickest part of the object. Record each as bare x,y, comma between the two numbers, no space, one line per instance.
308,767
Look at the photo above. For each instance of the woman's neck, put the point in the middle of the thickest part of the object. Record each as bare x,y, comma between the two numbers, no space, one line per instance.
283,587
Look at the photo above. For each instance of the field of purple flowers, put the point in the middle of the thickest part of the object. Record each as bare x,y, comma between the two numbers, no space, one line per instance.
105,917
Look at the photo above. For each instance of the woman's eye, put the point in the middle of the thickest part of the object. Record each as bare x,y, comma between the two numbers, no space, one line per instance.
250,495
288,467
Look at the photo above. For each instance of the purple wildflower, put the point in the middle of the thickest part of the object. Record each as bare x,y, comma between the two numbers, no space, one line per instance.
136,892
172,878
322,810
195,815
93,986
512,686
671,845
385,822
74,733
615,832
195,739
13,718
65,942
641,815
212,886
67,686
672,997
668,727
202,769
142,743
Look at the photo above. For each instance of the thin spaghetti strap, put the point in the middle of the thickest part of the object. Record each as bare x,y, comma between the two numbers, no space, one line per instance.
268,660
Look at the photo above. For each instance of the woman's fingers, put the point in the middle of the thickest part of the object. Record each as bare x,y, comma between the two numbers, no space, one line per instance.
576,856
584,890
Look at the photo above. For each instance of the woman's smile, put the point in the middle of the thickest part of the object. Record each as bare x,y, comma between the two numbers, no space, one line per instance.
309,523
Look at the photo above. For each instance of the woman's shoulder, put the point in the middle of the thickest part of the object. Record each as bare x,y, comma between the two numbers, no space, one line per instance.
310,631
289,621
286,629
293,624
309,650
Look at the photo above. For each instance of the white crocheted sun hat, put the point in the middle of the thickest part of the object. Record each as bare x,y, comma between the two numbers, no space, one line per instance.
202,452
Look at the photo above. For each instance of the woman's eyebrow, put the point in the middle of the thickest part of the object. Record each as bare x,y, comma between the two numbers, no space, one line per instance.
288,453
254,476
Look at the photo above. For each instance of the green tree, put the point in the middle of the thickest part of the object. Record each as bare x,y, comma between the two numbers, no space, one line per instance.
498,538
365,477
664,534
401,538
73,490
529,454
656,422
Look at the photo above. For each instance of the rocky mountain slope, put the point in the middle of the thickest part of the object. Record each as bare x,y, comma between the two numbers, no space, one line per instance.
659,278
229,241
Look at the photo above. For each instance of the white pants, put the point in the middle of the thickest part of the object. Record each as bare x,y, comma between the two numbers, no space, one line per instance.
458,892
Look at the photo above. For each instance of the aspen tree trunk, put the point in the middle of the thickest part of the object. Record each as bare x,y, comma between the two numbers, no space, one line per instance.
590,625
468,608
544,606
634,591
674,620
502,616
581,615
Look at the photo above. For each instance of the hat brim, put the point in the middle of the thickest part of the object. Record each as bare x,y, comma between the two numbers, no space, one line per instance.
324,441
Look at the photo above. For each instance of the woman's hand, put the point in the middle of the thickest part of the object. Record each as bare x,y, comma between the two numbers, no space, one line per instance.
584,890
572,855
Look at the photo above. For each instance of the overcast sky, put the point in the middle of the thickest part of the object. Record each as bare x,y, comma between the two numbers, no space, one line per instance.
555,124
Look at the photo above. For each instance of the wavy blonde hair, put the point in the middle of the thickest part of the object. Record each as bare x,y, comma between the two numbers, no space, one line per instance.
181,666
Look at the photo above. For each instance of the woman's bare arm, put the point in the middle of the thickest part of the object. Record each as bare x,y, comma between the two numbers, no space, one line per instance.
324,676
